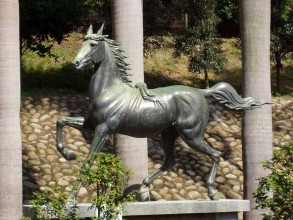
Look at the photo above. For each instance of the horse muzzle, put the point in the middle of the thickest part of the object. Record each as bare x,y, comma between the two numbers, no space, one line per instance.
77,64
80,65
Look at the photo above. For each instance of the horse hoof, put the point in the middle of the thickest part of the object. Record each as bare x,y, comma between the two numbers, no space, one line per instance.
143,194
70,201
141,197
214,196
69,155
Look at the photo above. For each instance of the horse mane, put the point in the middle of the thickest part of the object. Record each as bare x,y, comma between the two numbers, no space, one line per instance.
118,53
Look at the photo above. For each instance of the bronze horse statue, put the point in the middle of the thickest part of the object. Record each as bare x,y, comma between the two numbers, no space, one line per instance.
115,106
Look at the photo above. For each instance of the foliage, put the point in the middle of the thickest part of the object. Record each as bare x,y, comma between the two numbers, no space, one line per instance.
52,203
45,21
281,33
228,12
164,17
227,9
45,74
107,177
57,77
200,41
275,191
98,11
158,16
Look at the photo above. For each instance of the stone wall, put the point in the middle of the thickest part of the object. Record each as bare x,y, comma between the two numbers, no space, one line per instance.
43,166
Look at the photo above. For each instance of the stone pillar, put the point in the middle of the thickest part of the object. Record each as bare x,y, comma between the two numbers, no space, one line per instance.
257,124
128,32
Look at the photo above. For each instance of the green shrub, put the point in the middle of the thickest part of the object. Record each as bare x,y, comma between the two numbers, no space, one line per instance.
51,203
275,191
108,178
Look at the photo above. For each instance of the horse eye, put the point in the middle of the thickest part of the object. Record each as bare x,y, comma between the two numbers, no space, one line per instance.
93,44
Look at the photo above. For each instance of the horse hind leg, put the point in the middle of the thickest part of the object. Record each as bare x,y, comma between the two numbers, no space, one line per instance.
168,138
197,143
215,156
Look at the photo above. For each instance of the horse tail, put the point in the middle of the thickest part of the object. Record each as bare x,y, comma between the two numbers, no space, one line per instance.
227,95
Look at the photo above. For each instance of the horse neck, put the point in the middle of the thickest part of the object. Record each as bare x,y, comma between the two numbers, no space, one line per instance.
106,76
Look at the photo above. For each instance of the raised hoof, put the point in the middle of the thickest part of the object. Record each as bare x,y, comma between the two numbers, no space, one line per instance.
143,194
69,155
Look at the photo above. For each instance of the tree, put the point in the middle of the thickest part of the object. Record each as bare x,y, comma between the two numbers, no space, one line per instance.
227,11
257,124
43,22
282,34
97,12
10,148
109,200
128,31
199,40
157,16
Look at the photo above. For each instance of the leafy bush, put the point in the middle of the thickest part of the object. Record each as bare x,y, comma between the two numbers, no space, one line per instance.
275,191
50,204
107,177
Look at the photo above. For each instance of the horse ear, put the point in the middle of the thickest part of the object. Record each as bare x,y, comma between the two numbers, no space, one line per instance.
100,31
90,30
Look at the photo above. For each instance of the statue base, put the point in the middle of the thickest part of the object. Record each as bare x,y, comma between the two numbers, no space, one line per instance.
226,209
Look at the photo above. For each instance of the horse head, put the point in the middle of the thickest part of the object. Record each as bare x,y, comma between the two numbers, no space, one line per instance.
92,49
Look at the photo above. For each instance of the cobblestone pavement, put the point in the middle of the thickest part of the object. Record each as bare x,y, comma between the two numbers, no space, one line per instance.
43,166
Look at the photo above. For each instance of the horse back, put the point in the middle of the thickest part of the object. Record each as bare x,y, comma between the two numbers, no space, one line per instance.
176,105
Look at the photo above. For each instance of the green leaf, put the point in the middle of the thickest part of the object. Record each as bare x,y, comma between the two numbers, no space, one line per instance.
275,191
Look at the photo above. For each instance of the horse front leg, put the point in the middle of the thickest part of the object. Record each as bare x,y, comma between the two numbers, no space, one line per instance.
75,122
101,137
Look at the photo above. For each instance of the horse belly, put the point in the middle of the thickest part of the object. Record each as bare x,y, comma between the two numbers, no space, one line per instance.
145,122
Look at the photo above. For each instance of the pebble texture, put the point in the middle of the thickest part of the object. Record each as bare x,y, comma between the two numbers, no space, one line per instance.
43,166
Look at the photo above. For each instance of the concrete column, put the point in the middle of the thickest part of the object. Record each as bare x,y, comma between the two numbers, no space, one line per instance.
128,32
